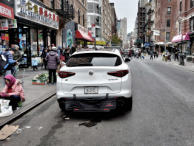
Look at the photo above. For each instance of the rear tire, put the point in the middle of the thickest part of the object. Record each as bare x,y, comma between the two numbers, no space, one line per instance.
62,107
129,103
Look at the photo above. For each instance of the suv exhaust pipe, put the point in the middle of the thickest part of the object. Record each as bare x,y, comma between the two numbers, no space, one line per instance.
121,102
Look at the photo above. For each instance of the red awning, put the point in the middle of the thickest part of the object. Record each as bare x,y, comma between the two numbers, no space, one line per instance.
83,36
183,37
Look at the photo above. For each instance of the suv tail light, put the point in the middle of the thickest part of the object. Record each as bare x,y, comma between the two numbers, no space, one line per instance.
63,74
120,73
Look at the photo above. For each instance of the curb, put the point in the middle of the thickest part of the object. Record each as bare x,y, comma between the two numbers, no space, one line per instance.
20,114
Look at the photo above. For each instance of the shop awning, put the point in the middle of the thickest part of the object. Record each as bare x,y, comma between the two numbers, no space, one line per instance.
179,38
83,36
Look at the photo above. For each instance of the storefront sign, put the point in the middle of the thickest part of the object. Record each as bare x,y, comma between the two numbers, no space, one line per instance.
83,29
31,11
12,23
3,24
6,11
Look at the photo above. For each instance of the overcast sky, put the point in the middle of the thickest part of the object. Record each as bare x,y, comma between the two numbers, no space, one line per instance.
128,9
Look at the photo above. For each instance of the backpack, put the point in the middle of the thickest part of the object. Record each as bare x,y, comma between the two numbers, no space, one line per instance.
3,63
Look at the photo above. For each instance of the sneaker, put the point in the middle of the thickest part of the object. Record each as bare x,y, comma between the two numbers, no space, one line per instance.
49,84
54,83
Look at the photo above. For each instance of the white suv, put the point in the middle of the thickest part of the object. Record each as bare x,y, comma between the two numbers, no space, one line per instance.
94,81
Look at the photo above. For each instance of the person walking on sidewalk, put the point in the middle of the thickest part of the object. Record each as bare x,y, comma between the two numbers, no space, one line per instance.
17,57
43,56
13,91
151,55
52,64
34,63
176,54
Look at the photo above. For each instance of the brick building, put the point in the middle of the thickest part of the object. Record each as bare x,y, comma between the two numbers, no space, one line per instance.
185,26
165,22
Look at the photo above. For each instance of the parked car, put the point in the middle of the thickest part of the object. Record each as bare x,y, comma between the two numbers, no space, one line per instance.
95,80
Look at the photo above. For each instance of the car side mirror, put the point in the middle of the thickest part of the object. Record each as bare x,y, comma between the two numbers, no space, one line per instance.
127,60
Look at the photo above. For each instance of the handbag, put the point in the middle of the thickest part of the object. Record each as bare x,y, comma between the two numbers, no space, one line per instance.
62,58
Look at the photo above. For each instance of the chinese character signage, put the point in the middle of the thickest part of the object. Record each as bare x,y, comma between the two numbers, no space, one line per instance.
31,11
6,11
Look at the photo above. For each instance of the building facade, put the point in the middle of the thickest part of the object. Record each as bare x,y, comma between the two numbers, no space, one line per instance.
165,18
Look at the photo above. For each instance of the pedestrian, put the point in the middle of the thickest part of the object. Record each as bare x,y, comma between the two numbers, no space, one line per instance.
13,91
59,50
43,56
34,63
73,48
49,48
17,57
66,54
52,64
8,54
176,54
151,55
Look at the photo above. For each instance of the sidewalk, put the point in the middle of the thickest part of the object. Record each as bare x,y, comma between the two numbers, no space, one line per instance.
33,93
188,65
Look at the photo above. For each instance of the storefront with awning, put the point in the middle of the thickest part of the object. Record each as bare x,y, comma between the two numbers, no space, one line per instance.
183,42
6,23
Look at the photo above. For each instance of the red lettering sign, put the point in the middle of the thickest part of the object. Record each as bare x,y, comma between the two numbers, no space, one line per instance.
6,11
54,17
57,18
45,13
40,11
50,16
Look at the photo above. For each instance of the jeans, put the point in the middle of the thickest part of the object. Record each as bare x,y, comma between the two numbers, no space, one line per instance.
14,99
52,73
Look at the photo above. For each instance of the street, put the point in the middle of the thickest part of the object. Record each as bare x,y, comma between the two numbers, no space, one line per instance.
162,115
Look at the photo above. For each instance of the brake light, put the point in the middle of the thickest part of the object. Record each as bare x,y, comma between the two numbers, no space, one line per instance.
120,73
63,74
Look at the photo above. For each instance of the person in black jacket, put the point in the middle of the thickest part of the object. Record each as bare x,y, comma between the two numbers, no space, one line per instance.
43,56
73,48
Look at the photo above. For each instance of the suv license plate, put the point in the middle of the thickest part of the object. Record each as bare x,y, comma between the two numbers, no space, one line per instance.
91,90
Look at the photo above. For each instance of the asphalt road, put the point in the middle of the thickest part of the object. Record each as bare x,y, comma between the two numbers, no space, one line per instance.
162,115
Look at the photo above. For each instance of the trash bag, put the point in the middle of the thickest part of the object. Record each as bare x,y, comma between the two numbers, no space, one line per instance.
4,103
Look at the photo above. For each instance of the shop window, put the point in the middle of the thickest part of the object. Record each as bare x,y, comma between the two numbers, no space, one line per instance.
40,41
167,36
33,36
168,10
78,17
168,23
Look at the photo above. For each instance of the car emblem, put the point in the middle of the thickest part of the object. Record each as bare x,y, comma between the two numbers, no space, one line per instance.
91,73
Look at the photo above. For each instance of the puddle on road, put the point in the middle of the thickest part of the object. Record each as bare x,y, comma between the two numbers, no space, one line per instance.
92,123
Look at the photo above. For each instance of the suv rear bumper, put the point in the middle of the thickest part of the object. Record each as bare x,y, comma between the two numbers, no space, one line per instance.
91,105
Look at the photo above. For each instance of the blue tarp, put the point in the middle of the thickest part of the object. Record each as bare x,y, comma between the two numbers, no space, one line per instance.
147,45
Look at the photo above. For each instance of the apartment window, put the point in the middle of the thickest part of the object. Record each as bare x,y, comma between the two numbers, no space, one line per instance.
179,28
61,4
168,10
169,1
167,36
83,2
83,20
191,23
78,17
168,23
192,2
180,6
52,4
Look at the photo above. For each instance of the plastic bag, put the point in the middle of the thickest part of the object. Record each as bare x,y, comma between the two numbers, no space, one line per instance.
4,103
6,112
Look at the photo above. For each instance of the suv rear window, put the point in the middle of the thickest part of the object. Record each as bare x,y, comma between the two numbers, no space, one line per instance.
94,59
